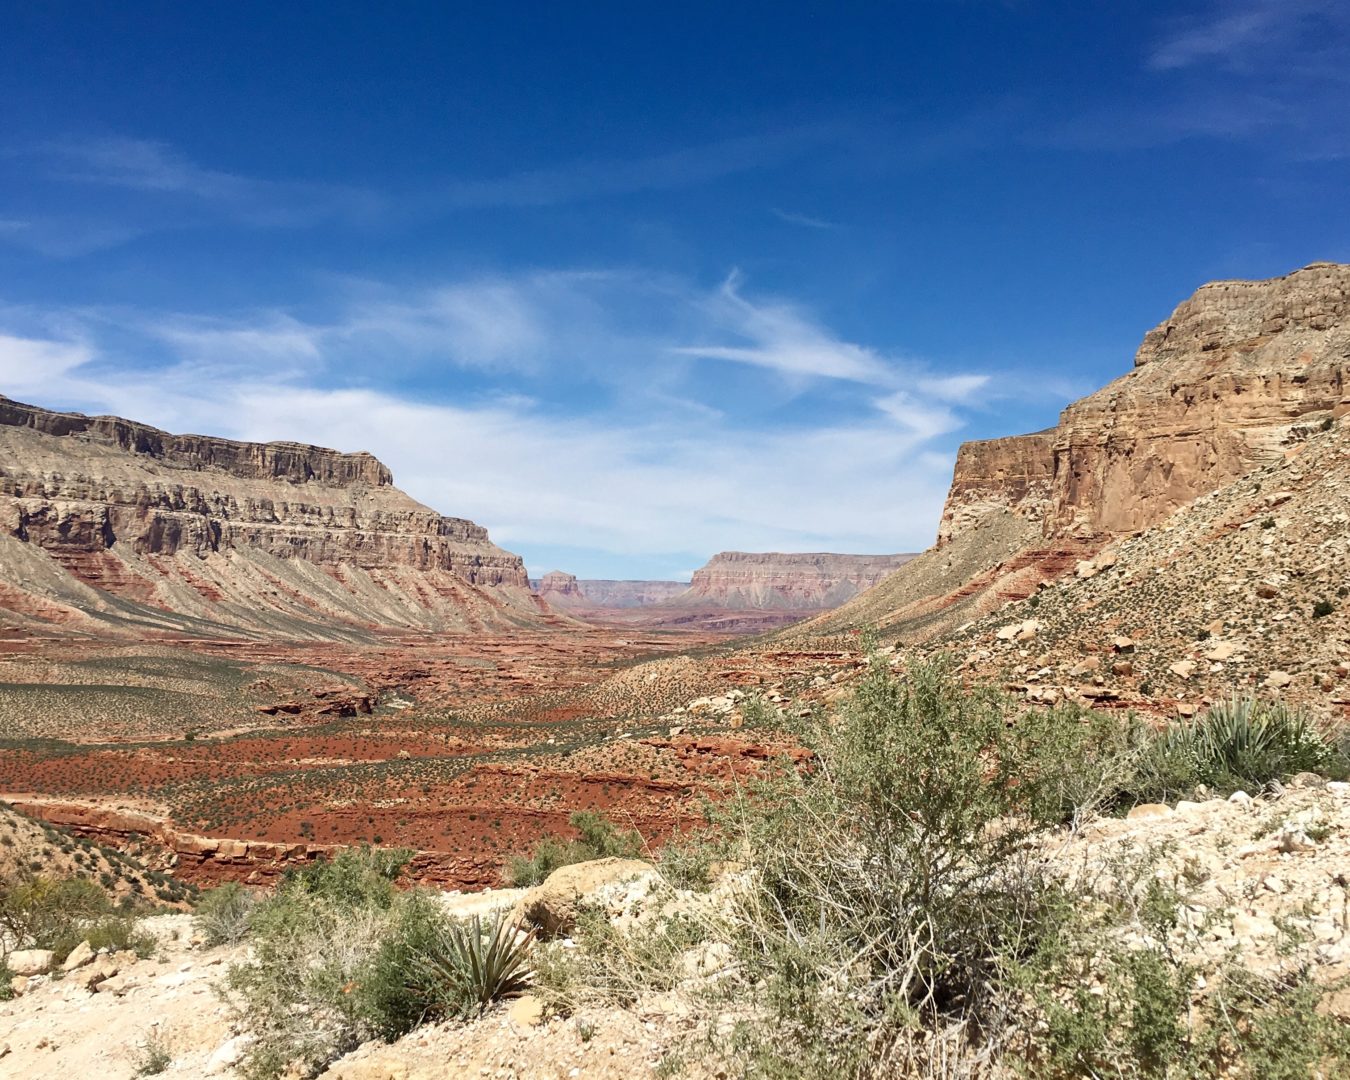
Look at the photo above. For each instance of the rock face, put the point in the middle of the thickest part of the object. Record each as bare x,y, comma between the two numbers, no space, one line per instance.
740,580
110,520
1234,377
559,588
631,594
566,591
1241,375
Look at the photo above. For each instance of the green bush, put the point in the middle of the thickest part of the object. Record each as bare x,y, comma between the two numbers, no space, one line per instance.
340,956
116,933
223,914
598,838
1240,744
465,967
890,883
40,912
153,1058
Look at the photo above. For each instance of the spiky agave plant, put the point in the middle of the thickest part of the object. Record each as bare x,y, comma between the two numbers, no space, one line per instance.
1241,742
466,966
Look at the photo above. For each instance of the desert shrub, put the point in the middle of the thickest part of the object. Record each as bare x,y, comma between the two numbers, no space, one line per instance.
613,966
153,1058
41,912
1242,743
340,957
1322,609
889,885
223,914
116,933
6,978
598,838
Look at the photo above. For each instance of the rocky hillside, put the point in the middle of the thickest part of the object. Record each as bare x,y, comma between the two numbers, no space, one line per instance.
111,525
1235,380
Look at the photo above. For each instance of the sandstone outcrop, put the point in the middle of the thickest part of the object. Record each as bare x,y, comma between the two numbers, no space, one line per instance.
112,522
630,594
560,588
1239,376
1236,375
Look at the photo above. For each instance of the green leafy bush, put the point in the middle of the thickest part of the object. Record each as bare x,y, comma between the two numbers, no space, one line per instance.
598,838
341,956
40,912
1239,744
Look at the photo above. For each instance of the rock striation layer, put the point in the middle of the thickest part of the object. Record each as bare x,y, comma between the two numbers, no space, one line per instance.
563,589
108,520
812,581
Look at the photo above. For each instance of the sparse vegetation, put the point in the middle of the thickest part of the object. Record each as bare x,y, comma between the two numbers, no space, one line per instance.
223,914
598,838
153,1058
341,956
1242,743
892,917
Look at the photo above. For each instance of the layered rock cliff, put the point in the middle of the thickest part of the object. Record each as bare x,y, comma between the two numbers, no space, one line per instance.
106,519
1238,377
776,581
1237,374
561,589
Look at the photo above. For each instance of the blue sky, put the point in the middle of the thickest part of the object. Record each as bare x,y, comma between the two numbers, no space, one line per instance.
630,285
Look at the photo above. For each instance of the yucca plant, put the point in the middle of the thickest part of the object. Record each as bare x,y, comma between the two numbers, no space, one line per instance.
465,967
1239,743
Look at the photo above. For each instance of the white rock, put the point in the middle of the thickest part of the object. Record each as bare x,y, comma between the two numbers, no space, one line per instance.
31,961
228,1054
1292,840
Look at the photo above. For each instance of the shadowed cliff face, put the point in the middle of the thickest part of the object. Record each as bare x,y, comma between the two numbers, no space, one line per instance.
275,536
1236,375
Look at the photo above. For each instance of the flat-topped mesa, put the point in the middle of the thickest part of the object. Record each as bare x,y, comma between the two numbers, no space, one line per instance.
797,581
231,532
1237,374
290,461
558,587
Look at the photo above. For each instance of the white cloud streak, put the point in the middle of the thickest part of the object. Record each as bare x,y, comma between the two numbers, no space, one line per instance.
634,482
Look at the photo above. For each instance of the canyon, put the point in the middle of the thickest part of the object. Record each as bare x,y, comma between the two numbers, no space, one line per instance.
742,591
250,653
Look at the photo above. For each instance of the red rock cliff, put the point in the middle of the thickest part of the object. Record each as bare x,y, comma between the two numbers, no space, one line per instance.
811,581
244,534
1230,380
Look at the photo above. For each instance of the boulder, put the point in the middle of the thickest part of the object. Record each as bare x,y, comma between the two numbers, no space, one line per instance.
553,907
79,956
1149,810
31,961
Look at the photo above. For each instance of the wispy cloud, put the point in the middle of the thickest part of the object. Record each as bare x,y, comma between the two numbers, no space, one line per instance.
589,178
152,168
1240,33
804,220
680,473
779,337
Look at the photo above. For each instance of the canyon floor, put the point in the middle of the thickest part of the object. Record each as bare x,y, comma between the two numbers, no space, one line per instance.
227,759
